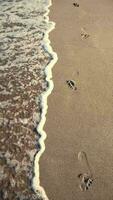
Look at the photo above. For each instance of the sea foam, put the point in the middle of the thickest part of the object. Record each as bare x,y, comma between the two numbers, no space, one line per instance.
48,71
26,61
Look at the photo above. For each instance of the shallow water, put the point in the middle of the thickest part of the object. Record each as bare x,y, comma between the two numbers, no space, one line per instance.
23,58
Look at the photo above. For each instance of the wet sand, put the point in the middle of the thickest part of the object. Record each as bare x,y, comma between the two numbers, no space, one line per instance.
80,120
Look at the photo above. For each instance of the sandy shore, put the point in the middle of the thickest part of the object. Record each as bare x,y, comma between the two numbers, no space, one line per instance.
80,120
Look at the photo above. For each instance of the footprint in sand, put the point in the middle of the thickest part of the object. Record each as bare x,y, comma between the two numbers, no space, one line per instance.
71,84
84,34
76,4
86,179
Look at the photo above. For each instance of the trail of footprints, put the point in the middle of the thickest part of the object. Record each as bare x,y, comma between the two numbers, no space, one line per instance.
86,179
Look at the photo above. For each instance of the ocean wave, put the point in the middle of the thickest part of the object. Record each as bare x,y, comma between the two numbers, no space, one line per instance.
25,73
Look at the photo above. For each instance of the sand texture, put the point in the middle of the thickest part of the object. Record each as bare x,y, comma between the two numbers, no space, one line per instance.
80,120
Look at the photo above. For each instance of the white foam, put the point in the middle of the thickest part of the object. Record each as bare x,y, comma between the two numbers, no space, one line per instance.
36,180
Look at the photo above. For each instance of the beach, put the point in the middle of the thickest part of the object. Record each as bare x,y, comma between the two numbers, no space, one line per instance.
80,120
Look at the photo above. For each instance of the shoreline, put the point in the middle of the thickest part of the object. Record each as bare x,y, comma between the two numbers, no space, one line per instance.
48,72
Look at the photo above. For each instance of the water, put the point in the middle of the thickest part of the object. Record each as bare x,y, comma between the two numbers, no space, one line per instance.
24,56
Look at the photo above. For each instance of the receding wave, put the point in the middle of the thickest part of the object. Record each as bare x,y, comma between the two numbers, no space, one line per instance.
26,59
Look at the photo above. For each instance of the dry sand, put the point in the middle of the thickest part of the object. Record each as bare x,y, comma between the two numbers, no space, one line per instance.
80,120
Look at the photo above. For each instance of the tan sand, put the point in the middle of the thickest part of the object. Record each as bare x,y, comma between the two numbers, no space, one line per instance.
80,120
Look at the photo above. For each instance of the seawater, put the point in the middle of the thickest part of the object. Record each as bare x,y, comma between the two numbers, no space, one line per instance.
26,60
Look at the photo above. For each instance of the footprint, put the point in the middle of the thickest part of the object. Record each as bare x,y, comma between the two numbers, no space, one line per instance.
84,34
76,4
86,179
71,84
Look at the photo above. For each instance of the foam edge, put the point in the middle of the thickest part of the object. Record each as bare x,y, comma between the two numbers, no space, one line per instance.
48,71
